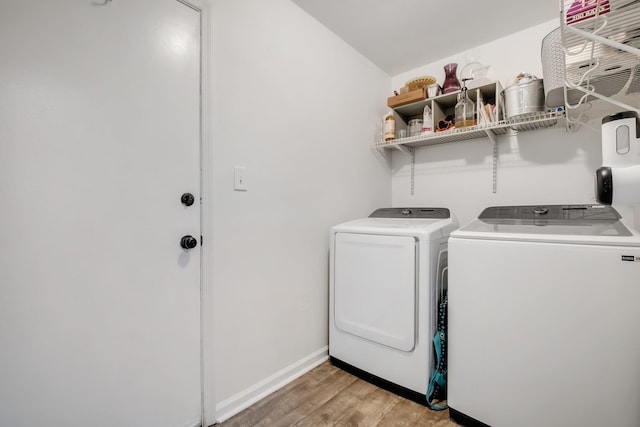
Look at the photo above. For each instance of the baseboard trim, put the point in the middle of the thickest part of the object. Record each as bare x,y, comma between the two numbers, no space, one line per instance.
464,420
240,401
381,382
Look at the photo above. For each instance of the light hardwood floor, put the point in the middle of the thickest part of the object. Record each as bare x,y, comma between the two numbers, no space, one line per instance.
328,396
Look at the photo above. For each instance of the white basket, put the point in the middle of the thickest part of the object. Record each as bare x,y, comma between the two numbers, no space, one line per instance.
605,73
553,66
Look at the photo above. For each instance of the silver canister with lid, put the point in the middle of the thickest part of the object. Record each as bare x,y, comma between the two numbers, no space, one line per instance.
524,97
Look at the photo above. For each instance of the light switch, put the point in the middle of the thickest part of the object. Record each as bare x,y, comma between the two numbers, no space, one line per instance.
240,178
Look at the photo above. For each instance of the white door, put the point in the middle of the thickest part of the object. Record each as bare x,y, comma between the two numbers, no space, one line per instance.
99,138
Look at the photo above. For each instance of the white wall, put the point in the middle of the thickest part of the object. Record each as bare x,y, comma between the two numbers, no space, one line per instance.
298,108
550,166
506,57
541,167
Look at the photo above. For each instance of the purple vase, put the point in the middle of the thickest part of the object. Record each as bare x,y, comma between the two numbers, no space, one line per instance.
451,82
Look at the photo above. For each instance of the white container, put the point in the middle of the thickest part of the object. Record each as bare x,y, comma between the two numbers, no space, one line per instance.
427,120
415,127
433,90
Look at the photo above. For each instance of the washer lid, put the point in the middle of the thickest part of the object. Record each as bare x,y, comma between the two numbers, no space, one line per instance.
586,224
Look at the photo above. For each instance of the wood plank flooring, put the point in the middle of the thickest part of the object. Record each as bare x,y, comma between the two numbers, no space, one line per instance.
328,396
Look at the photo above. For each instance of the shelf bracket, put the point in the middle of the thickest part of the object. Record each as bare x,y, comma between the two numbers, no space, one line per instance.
495,166
492,136
411,152
494,176
406,150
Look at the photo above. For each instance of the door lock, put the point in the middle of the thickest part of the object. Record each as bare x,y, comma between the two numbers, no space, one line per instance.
187,199
188,242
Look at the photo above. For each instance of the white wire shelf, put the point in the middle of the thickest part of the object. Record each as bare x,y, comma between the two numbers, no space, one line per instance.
533,121
602,54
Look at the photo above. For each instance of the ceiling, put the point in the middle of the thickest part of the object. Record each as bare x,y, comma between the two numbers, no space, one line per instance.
400,35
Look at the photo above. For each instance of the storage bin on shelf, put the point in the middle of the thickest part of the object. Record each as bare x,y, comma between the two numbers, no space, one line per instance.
486,99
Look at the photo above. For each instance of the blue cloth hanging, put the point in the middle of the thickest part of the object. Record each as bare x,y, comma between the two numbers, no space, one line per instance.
437,388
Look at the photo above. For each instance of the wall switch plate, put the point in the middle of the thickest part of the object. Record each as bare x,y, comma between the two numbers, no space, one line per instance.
240,178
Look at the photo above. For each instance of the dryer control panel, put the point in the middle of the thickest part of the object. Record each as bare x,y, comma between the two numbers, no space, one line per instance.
435,213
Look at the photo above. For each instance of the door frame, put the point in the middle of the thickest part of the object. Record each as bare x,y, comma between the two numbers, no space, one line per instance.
207,402
208,414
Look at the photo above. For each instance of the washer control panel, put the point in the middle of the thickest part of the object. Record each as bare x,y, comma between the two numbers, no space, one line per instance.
565,213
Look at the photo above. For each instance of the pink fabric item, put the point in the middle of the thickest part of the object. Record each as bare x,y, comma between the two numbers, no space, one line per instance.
581,10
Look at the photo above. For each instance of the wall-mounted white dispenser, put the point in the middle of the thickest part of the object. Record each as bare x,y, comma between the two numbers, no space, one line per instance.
618,180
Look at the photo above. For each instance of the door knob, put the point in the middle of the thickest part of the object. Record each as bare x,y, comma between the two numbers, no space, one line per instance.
188,242
187,199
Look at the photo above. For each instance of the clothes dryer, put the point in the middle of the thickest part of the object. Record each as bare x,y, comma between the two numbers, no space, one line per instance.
544,318
384,272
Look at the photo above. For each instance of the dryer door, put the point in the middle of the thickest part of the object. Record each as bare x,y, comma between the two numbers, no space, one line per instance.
375,288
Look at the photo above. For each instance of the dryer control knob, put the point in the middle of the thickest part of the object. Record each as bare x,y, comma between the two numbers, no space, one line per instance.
540,211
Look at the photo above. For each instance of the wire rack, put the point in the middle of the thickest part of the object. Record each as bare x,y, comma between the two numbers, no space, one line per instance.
533,121
601,45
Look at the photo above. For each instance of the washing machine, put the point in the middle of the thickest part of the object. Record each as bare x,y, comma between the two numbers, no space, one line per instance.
544,318
386,275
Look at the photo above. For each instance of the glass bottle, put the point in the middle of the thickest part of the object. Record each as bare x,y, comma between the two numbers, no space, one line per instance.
451,82
389,126
464,108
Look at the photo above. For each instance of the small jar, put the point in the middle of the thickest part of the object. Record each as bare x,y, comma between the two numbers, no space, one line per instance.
415,127
433,90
